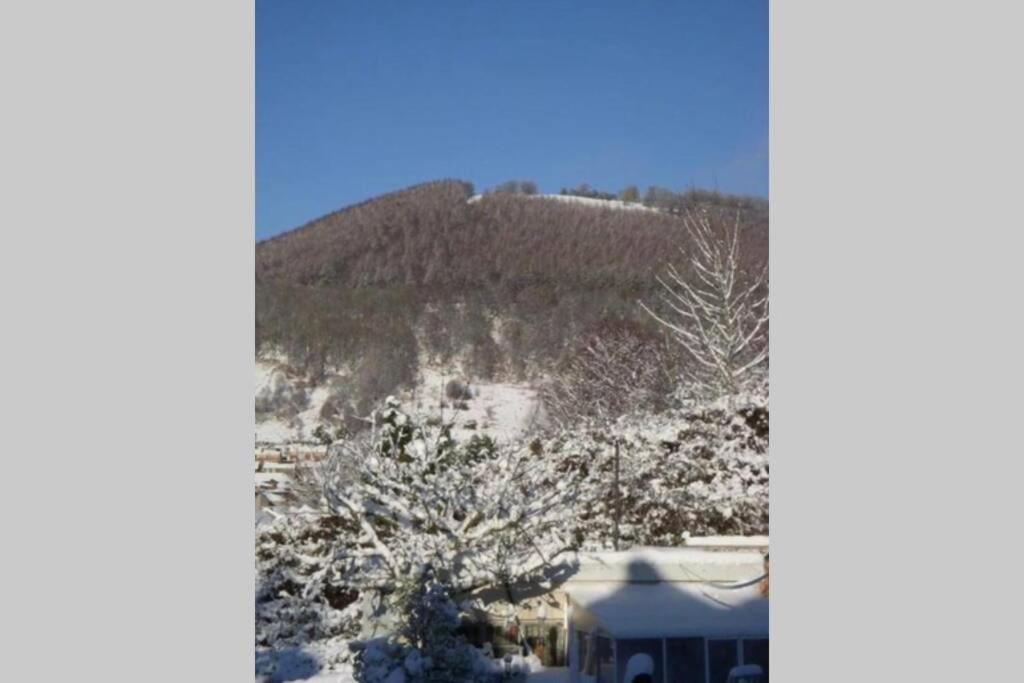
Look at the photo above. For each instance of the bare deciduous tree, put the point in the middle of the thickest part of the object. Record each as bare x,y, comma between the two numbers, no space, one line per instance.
719,314
619,367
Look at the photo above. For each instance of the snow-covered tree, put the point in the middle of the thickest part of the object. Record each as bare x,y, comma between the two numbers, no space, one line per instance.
425,647
479,516
718,312
305,598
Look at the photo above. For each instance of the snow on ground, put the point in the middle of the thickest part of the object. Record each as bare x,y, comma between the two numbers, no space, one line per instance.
275,431
502,410
278,388
553,675
280,480
344,675
310,417
302,667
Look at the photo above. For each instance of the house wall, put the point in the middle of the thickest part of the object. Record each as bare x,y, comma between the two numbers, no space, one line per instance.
541,623
679,566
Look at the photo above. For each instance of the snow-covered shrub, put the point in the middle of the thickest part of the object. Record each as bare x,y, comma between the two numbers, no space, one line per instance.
323,435
687,472
479,515
480,447
425,648
302,589
457,391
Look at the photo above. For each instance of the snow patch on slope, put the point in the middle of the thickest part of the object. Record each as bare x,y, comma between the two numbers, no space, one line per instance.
287,407
599,203
502,410
586,201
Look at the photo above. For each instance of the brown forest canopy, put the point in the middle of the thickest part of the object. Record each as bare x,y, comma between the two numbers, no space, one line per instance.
426,266
431,235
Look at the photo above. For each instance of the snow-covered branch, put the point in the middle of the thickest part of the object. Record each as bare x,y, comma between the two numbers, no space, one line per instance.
718,313
478,516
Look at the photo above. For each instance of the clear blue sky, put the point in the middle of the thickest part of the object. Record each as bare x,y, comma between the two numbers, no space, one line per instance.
354,99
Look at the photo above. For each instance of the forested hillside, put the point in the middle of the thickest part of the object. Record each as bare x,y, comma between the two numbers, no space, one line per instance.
510,282
431,235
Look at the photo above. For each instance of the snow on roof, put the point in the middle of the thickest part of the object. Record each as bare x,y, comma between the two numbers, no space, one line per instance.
686,564
727,542
661,610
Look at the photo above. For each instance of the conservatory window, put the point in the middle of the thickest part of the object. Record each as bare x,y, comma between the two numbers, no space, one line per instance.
639,656
605,661
723,655
587,655
685,660
755,651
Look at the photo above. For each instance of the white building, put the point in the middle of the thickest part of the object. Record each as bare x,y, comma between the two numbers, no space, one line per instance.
675,614
687,614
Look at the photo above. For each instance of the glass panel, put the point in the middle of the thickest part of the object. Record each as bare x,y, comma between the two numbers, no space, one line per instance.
543,640
755,651
605,661
562,648
639,660
722,656
685,660
588,655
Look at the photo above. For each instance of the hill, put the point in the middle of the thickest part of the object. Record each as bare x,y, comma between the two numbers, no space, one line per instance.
498,285
440,235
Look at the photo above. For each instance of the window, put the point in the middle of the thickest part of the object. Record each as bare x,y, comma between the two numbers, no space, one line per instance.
545,641
639,656
723,655
685,660
755,651
605,661
587,654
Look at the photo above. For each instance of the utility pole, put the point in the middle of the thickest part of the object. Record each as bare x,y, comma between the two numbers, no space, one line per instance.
618,499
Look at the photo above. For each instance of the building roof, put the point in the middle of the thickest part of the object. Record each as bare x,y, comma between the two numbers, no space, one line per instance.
708,589
727,542
660,610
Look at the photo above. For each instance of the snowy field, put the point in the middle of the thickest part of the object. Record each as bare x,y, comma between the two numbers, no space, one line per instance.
275,385
502,410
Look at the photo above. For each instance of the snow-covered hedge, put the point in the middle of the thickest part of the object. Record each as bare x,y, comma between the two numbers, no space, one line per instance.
303,592
702,471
